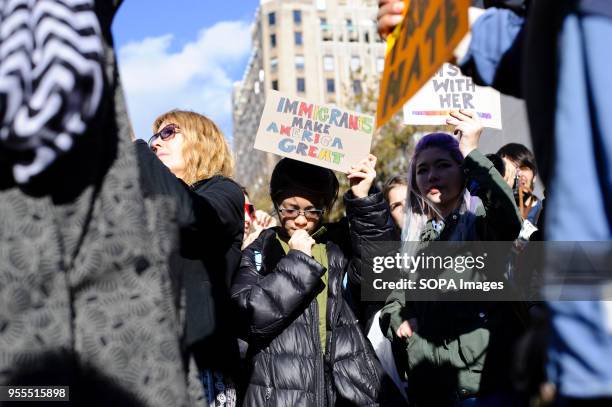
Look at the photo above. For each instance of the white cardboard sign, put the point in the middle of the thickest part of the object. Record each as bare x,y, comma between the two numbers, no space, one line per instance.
323,135
449,90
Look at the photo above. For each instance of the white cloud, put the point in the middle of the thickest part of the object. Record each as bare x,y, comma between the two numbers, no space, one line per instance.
196,77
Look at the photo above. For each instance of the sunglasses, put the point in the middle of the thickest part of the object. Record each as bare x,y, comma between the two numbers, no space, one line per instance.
250,210
165,134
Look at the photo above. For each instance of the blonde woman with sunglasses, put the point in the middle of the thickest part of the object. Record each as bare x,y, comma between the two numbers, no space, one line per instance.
189,160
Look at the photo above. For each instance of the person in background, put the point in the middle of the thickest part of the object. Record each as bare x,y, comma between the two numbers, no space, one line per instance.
498,163
394,191
555,55
456,353
189,160
305,344
521,173
255,221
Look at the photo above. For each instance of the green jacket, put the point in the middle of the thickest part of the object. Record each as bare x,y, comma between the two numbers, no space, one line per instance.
460,348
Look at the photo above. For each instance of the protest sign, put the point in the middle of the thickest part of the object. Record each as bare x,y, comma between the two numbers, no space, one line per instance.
323,135
430,31
449,90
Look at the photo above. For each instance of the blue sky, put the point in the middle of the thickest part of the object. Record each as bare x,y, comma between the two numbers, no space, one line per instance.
182,54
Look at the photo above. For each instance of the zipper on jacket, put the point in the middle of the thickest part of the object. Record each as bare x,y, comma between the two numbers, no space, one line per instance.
319,362
334,314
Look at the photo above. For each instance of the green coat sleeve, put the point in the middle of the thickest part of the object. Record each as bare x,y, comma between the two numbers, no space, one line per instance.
501,219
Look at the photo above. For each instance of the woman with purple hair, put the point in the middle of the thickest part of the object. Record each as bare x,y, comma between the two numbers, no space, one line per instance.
454,353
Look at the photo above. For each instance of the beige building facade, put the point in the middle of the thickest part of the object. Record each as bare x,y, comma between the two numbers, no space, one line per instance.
316,49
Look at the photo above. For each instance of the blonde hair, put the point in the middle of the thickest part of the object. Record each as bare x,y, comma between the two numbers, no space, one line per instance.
205,150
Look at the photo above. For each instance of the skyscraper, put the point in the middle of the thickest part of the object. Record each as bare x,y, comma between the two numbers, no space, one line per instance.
307,48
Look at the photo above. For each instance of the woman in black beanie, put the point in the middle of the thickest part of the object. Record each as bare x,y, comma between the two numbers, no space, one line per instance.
305,344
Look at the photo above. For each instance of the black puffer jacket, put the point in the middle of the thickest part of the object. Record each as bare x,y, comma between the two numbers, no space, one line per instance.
276,294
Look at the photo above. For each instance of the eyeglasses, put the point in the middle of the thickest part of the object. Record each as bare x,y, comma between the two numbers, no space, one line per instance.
165,134
250,210
291,213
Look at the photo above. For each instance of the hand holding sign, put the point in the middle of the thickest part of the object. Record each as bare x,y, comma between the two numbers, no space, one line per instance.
362,175
468,127
428,34
389,16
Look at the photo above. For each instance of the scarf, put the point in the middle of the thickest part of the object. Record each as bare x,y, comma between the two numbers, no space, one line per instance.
319,253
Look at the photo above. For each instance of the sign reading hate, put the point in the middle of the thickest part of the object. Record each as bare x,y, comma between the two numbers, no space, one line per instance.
323,135
449,90
426,38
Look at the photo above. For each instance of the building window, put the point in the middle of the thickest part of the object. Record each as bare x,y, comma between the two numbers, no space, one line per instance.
301,85
355,63
272,18
273,40
299,62
357,86
366,37
273,64
380,64
331,86
349,25
298,38
275,84
328,63
297,16
326,29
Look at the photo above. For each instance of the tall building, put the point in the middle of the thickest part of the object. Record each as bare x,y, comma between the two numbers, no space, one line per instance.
316,49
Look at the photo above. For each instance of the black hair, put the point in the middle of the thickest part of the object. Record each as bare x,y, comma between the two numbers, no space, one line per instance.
498,163
520,154
392,182
291,177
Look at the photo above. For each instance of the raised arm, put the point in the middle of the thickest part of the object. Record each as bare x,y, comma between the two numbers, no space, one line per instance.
503,220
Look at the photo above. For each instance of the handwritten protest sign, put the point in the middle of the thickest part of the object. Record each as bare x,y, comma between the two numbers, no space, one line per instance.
323,135
449,90
430,31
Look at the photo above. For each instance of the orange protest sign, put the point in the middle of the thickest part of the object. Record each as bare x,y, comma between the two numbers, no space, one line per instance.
429,33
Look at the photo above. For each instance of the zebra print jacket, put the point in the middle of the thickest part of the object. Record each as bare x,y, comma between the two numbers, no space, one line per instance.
51,80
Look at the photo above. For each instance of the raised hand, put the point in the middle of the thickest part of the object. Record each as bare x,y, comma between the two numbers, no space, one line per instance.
468,127
361,176
389,15
263,220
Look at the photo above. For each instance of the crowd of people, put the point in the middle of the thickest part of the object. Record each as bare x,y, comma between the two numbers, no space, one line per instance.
140,272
